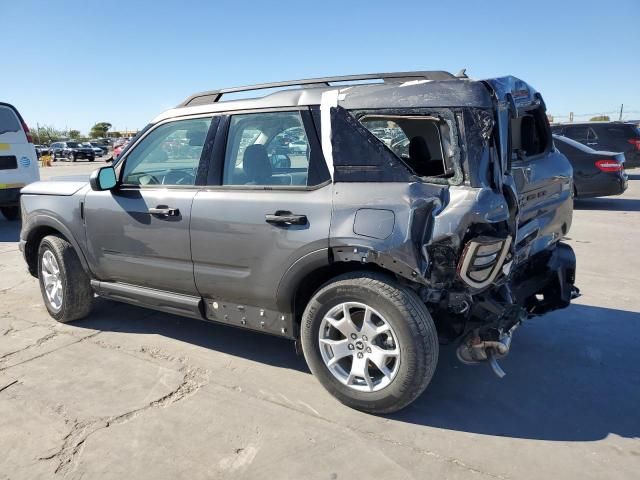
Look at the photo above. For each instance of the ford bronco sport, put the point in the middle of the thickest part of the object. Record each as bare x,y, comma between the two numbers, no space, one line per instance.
366,221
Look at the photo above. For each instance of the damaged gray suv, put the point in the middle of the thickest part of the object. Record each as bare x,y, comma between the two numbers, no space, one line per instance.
369,218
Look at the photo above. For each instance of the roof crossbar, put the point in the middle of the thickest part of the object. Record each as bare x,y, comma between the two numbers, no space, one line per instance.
214,96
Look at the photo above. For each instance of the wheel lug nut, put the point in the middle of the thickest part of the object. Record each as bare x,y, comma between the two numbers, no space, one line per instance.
359,354
354,336
351,347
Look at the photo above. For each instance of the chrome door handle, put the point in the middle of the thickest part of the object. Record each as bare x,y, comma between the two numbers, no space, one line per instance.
163,211
282,217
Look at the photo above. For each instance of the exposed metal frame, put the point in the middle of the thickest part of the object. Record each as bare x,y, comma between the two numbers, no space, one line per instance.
214,96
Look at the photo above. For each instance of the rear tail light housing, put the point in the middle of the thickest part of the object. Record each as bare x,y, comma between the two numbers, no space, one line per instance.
609,166
26,131
482,259
635,142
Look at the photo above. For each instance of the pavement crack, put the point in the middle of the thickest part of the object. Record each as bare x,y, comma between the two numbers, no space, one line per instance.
42,340
372,435
2,389
73,444
37,343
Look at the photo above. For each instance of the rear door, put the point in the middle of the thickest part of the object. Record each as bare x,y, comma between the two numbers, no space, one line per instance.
18,160
267,205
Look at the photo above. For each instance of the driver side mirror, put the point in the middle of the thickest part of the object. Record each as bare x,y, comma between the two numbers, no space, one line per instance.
103,179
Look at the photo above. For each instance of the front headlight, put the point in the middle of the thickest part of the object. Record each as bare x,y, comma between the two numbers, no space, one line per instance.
482,259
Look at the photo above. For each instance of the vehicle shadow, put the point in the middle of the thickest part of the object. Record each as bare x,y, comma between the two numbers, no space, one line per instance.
633,176
9,231
256,346
616,204
573,375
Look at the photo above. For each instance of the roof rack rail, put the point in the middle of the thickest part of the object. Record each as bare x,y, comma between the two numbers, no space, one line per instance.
214,96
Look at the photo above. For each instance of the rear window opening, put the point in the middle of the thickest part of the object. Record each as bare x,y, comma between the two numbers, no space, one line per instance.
416,140
530,134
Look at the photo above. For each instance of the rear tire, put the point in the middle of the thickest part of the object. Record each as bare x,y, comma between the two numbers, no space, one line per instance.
404,332
65,286
10,213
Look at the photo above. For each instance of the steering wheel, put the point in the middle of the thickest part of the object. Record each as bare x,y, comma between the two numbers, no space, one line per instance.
177,177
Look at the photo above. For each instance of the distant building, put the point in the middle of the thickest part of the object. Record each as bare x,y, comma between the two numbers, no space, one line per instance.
121,133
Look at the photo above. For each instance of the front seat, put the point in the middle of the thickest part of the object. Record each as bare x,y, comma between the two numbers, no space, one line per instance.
256,165
420,159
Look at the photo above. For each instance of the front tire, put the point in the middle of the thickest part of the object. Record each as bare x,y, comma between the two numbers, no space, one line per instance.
370,341
65,286
10,213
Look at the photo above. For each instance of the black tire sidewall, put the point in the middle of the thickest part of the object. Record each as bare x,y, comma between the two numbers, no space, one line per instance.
393,394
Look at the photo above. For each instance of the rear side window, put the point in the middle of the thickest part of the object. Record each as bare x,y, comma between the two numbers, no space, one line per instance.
624,131
9,122
581,133
414,139
267,149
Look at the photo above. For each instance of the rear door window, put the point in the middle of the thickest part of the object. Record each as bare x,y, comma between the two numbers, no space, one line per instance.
270,149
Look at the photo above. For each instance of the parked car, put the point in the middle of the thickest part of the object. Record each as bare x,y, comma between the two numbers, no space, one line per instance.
97,151
364,257
595,173
18,160
104,148
42,150
71,151
606,136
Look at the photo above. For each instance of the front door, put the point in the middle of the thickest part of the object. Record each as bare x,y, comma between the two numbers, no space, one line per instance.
271,207
138,233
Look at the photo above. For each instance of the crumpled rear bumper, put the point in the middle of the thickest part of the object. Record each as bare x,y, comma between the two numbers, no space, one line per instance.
549,284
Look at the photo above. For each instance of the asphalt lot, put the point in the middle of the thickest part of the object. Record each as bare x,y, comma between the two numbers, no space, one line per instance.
130,393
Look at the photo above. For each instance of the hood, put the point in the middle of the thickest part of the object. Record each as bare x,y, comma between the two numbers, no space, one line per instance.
57,186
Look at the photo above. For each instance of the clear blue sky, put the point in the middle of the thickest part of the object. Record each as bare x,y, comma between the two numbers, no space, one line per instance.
72,63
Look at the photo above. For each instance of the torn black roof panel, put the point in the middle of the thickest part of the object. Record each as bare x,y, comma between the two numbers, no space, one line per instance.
396,93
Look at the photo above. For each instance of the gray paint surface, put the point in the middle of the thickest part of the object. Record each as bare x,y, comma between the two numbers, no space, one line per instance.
126,243
239,257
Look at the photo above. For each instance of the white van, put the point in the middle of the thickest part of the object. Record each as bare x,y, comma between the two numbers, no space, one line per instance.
18,160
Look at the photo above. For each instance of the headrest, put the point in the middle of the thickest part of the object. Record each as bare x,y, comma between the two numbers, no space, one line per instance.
256,164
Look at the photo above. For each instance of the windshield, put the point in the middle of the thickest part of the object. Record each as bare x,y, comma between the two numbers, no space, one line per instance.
72,145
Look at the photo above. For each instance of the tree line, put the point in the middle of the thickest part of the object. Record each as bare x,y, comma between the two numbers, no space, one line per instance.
47,134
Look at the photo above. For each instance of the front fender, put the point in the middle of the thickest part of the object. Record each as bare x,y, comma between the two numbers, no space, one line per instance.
38,225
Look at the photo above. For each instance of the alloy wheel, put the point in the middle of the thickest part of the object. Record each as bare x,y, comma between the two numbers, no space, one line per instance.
52,280
359,347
